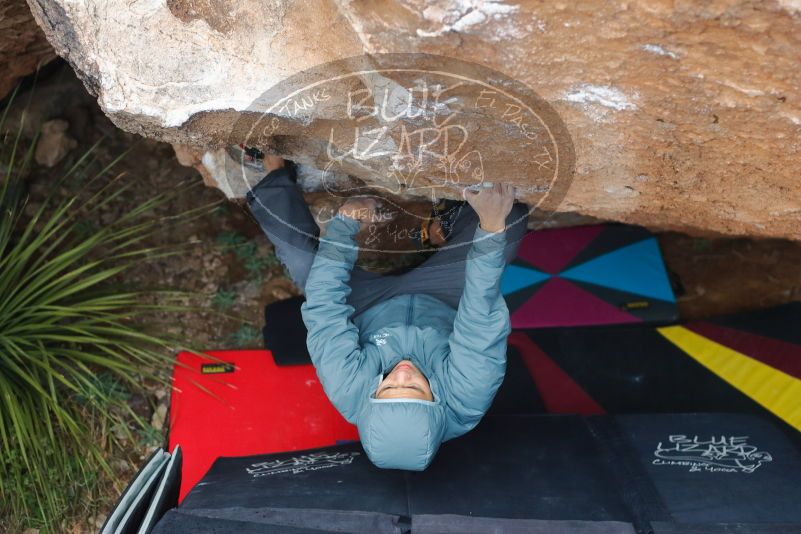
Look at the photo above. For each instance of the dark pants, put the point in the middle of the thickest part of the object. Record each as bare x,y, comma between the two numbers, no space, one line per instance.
282,213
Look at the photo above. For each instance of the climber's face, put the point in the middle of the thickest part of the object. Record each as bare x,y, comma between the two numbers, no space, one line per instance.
405,381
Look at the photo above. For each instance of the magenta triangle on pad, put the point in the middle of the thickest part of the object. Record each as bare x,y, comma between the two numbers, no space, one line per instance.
552,250
561,303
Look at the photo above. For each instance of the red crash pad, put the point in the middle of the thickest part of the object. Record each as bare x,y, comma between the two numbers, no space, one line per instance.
240,403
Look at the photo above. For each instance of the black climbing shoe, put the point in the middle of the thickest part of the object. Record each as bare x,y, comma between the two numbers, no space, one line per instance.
445,211
253,158
250,157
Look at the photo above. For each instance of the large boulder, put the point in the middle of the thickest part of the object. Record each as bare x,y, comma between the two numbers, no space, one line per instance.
23,47
682,115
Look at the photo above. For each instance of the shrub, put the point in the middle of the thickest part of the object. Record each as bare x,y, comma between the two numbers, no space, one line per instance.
73,343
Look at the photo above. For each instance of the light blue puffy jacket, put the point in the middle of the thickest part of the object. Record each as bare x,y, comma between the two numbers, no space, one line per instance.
461,352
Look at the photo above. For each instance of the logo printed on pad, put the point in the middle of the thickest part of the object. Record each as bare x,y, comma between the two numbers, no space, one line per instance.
301,464
217,368
719,454
637,305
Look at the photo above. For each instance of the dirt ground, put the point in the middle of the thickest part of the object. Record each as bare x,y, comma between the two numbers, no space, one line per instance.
722,276
230,267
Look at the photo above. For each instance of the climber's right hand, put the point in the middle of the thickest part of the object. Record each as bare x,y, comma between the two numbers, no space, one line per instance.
492,204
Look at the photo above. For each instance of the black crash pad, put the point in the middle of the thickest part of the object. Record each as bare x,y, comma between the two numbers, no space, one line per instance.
715,473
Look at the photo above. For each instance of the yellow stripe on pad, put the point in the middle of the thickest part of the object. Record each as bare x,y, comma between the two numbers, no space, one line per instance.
777,391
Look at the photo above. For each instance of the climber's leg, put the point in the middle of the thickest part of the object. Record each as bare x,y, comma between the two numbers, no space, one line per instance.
284,216
281,211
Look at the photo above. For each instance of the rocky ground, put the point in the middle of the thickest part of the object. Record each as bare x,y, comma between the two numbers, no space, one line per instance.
229,266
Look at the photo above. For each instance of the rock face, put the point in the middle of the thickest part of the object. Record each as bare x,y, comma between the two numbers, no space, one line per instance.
682,115
23,47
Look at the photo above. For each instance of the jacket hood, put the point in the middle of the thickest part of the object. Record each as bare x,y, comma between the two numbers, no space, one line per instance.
401,433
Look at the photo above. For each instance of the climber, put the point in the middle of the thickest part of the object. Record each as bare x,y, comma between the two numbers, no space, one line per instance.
413,359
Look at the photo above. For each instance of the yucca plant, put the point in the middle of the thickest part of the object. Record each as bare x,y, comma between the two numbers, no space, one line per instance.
73,343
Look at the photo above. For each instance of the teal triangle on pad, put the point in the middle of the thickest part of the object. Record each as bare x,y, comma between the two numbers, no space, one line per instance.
516,278
636,268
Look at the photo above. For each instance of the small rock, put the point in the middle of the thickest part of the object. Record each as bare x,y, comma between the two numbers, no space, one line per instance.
120,433
281,293
98,521
700,290
54,143
248,291
210,287
120,466
159,416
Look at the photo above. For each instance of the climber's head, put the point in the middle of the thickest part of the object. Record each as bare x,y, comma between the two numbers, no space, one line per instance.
402,424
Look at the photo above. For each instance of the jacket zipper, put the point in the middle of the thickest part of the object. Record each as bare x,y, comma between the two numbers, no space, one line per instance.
410,310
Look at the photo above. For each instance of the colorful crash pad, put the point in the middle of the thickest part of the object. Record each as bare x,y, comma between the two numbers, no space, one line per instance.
589,275
748,363
237,403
